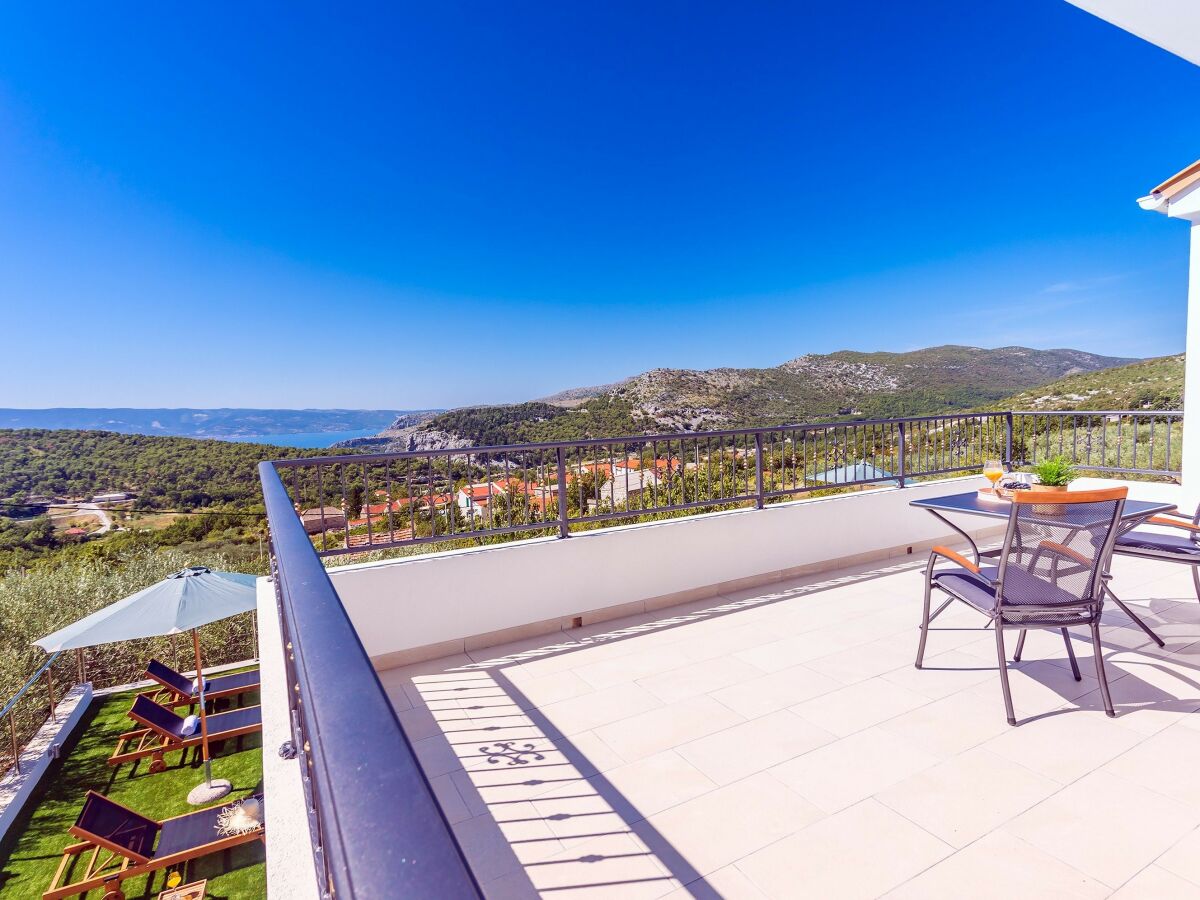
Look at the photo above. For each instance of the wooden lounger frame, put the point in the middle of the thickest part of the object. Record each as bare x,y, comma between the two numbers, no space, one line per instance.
103,871
149,741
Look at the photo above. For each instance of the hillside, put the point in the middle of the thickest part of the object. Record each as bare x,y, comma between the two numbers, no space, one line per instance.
211,423
808,388
165,472
1149,384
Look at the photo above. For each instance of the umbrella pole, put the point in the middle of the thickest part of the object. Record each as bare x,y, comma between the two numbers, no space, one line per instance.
203,719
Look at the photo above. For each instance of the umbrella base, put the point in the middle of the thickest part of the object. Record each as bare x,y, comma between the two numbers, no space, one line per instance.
207,792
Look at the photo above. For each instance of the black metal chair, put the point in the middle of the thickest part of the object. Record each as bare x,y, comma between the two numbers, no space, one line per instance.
1050,575
1175,548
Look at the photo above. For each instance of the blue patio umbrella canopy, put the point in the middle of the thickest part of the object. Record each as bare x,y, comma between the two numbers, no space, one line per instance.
179,603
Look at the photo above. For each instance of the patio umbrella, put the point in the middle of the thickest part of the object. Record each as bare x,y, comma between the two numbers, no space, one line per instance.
179,603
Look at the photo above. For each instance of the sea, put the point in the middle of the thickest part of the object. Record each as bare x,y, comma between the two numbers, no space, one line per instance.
315,439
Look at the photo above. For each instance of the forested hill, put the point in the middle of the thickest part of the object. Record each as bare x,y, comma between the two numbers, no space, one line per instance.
1149,384
809,388
165,472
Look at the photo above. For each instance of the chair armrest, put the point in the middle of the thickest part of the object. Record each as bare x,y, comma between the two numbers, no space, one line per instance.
955,557
1163,520
1061,550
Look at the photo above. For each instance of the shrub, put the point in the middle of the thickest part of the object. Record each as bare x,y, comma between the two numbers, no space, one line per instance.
1057,471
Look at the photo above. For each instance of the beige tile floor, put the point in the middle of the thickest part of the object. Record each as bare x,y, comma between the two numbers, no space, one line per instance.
779,743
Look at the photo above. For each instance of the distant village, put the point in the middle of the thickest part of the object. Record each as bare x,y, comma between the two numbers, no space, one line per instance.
79,518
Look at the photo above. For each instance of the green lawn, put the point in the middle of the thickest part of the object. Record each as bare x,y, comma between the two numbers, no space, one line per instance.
29,857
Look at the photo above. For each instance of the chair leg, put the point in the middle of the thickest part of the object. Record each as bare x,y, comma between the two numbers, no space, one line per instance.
924,622
1001,656
1196,580
1020,646
1070,654
1135,618
1098,653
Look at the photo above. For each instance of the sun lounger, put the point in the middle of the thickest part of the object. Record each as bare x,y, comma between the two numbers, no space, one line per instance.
163,731
178,688
118,843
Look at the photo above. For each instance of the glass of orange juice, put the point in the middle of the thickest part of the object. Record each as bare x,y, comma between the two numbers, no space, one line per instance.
993,471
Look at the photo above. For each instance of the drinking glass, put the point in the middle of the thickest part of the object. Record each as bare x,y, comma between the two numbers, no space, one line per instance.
993,471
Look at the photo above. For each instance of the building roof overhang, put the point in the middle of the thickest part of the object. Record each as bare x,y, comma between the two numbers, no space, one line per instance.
1178,196
1173,25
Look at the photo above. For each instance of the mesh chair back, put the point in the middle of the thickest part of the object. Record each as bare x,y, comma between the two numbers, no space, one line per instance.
1057,548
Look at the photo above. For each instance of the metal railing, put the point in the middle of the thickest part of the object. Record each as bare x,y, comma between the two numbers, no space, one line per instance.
35,702
377,830
352,504
1116,441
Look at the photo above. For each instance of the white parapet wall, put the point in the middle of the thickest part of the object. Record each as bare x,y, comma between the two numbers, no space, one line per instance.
442,602
16,787
291,872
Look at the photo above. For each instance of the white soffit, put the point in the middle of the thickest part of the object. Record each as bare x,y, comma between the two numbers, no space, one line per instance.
1173,25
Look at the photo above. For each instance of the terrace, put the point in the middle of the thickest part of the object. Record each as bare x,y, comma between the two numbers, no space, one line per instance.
712,692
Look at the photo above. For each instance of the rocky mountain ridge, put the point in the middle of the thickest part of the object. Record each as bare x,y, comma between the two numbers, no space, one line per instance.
807,388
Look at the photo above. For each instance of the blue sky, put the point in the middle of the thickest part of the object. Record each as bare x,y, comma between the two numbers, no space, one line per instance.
441,204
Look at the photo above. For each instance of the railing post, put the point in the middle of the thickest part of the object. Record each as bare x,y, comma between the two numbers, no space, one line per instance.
759,500
16,751
902,451
1008,439
564,524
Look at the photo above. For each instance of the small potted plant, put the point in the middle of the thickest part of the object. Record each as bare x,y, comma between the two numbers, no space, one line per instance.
1054,474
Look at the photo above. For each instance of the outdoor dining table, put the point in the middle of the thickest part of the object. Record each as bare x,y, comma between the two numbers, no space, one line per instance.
969,503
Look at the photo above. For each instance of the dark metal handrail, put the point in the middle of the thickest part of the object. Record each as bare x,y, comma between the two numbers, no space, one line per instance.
9,708
377,830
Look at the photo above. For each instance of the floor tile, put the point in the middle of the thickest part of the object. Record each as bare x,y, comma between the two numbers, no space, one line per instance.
631,666
618,866
1183,859
724,884
723,826
1154,883
834,858
587,711
733,753
859,706
864,661
953,724
779,690
1064,746
846,771
1165,762
1000,867
944,674
669,726
632,791
698,678
965,797
1105,826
